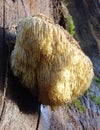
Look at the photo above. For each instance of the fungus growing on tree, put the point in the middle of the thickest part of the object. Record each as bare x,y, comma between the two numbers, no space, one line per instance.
47,57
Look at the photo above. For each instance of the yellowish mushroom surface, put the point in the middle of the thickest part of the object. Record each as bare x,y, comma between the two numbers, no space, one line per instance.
47,56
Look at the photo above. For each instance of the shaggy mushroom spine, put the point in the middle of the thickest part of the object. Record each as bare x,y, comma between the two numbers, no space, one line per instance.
45,54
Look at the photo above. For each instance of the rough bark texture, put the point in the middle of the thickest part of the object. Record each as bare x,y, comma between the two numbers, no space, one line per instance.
18,111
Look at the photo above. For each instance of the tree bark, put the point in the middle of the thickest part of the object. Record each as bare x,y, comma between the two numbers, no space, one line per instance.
18,111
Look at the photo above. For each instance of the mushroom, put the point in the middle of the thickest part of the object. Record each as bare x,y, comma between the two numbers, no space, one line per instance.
47,58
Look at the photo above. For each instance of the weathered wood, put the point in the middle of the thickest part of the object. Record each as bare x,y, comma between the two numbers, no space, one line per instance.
86,16
18,111
19,107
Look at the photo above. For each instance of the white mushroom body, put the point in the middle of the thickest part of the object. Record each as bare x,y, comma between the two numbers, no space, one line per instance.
45,54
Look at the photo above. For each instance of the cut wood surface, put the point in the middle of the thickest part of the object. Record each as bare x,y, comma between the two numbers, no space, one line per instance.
17,112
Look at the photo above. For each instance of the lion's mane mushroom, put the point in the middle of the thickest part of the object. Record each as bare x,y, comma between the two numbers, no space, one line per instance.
47,56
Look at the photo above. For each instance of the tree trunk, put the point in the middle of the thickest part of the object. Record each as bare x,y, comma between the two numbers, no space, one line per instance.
18,109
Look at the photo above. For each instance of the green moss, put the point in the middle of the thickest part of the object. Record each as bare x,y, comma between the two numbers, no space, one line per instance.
79,106
71,26
94,97
97,80
97,100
